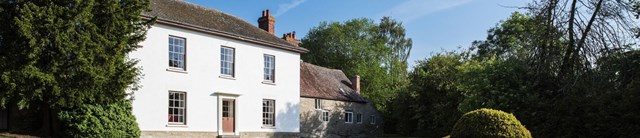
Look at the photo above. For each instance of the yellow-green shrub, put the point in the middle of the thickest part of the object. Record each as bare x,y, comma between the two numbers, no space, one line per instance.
489,123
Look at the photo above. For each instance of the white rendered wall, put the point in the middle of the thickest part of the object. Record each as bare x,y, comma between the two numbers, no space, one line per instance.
201,80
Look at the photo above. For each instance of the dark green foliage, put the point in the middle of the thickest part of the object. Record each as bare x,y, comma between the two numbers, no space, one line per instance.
100,121
430,107
67,53
489,123
518,69
64,54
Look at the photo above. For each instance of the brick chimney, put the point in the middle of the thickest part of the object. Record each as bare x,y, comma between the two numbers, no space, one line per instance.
267,22
355,84
291,38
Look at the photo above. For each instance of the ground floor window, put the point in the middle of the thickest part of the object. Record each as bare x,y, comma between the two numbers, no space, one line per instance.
348,117
372,119
268,112
177,108
325,116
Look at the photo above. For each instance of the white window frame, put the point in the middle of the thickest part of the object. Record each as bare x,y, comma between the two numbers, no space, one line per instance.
180,108
269,68
318,104
348,117
324,117
177,53
372,119
268,113
359,118
227,61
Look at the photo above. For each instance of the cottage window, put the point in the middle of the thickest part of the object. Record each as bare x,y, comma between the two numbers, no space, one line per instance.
268,113
227,59
177,108
348,117
177,50
372,119
359,118
269,68
318,103
325,116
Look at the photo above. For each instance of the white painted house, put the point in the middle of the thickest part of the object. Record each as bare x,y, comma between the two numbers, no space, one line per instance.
207,74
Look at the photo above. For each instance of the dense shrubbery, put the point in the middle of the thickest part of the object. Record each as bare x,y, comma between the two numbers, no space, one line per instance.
113,120
489,123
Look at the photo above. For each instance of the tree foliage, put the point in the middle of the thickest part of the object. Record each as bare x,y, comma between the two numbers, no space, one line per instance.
429,106
376,52
61,54
523,67
100,121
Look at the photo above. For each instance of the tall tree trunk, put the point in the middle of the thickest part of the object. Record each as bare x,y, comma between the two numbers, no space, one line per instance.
566,66
582,40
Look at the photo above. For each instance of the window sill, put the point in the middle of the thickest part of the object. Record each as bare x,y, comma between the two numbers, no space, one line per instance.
176,125
227,77
177,70
268,127
268,82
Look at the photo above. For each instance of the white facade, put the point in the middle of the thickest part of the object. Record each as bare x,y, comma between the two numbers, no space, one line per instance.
205,87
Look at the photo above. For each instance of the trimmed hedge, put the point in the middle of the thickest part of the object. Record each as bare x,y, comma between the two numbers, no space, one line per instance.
100,121
489,123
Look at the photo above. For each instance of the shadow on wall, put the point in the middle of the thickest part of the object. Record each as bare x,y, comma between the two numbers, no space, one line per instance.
288,120
312,125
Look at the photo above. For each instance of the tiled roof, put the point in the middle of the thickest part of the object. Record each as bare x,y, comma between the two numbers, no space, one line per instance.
184,14
325,83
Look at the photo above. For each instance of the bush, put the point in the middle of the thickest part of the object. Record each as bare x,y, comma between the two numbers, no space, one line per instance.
489,123
96,121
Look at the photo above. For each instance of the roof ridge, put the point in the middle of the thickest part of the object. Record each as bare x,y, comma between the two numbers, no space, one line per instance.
323,67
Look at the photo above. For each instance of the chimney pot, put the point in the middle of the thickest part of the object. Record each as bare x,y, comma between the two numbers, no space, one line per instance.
267,22
291,38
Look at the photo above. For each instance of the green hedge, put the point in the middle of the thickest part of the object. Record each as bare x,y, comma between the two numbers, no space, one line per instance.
98,121
489,123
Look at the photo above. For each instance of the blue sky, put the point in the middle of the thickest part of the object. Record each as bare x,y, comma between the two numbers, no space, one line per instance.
434,25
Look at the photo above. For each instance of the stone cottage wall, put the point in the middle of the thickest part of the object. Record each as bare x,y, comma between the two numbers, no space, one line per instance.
311,124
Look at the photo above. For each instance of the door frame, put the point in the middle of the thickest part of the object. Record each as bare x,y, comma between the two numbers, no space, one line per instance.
220,97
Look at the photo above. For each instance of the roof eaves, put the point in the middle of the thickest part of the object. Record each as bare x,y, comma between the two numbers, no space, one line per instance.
335,99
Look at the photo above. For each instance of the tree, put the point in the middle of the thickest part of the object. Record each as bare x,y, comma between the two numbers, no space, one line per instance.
376,52
62,54
430,105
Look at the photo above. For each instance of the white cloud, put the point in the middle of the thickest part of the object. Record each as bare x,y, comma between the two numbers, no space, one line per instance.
283,8
414,9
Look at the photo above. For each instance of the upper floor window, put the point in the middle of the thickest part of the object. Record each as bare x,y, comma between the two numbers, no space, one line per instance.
348,117
268,113
227,59
269,68
318,103
177,50
177,108
359,118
